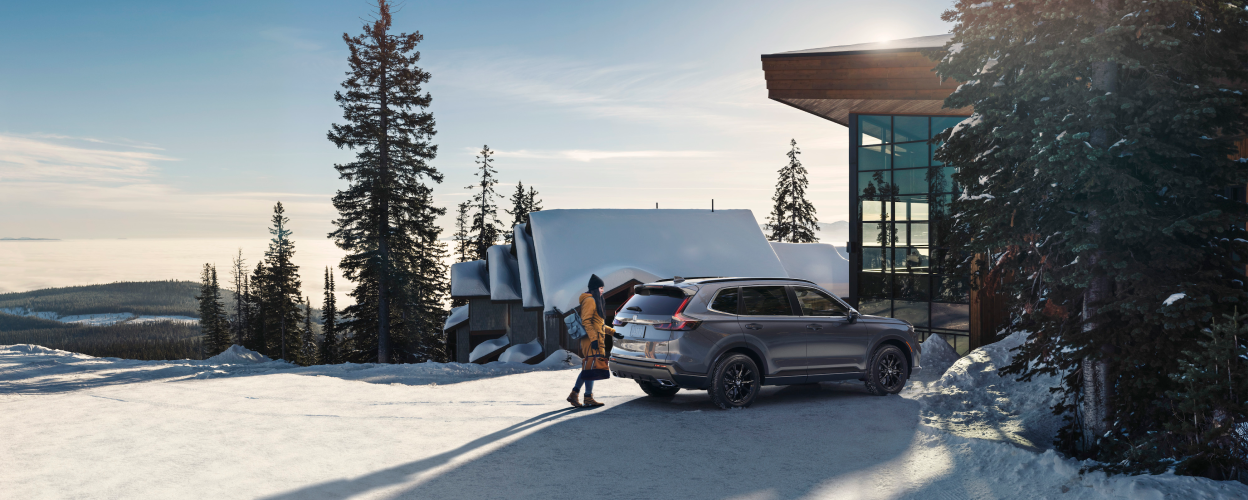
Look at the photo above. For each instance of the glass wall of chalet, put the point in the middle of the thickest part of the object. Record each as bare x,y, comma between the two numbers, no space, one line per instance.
904,265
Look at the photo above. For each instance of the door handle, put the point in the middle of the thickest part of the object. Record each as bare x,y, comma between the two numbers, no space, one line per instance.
814,326
753,326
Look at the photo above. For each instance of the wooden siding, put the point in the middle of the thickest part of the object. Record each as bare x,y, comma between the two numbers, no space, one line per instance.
526,326
484,315
833,86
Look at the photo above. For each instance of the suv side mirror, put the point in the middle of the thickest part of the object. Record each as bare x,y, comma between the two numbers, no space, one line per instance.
853,316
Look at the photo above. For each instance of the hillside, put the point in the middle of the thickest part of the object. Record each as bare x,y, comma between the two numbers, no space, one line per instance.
143,341
141,298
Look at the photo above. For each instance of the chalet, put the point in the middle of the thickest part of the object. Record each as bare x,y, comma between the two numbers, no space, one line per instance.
517,296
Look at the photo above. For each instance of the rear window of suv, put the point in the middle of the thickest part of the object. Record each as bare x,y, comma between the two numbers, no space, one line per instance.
765,301
652,305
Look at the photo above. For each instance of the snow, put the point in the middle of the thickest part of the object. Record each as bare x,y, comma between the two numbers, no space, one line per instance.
521,353
645,245
237,355
83,427
1174,298
504,277
458,315
821,263
470,279
103,319
526,259
487,348
969,122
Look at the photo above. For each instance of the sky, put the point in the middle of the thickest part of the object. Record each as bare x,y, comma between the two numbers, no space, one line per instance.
131,119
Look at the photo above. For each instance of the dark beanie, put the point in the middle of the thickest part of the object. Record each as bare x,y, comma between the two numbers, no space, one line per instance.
595,282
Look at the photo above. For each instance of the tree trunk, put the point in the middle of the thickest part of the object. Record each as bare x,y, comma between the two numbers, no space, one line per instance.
1098,387
383,302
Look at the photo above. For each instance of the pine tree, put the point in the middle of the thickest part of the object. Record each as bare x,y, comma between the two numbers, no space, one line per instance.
522,204
309,352
280,294
1211,398
212,319
329,322
461,236
257,329
486,228
792,218
423,313
382,211
238,326
1094,169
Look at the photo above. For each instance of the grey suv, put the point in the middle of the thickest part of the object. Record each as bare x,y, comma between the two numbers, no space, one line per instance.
730,336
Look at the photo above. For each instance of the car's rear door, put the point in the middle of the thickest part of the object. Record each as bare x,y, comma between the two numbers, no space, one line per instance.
767,320
834,344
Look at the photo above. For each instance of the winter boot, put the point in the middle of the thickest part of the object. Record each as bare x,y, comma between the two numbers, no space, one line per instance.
589,401
575,399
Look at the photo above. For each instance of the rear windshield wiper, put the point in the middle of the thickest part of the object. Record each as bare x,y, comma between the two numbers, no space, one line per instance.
633,308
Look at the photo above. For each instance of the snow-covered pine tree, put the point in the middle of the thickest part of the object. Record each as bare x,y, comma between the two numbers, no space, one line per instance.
1098,154
461,238
792,217
329,322
281,296
388,127
486,228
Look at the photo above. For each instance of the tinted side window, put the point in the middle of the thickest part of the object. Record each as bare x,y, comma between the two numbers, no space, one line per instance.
765,301
816,303
726,301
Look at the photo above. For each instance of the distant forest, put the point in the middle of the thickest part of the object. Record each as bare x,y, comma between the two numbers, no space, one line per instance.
143,298
147,341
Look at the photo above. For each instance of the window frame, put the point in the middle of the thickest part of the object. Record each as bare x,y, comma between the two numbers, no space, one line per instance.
710,306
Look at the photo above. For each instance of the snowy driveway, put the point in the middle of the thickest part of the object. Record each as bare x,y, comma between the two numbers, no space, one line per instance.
76,426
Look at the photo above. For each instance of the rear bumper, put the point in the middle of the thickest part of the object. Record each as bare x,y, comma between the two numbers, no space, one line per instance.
656,373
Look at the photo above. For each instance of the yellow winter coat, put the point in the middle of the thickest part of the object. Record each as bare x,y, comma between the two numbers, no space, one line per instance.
594,355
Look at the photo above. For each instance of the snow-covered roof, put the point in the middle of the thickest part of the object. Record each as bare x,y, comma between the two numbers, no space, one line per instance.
526,259
645,245
470,279
821,263
504,277
458,315
904,44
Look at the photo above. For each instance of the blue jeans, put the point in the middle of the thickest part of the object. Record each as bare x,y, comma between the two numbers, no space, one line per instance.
589,384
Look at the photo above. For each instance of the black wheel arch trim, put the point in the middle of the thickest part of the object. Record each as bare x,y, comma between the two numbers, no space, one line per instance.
901,342
737,347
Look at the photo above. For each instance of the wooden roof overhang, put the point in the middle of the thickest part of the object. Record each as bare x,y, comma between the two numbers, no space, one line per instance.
891,77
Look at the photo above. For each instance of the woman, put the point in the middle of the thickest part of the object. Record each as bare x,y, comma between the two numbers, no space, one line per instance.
594,365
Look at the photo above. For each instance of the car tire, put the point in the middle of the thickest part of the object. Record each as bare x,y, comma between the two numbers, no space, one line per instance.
735,382
887,372
657,391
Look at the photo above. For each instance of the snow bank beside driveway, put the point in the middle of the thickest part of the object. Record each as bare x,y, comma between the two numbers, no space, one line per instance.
971,399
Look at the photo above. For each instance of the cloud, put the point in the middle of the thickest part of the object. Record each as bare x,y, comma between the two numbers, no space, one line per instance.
30,159
46,180
587,155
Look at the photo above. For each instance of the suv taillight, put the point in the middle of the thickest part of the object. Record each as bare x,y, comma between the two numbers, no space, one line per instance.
680,322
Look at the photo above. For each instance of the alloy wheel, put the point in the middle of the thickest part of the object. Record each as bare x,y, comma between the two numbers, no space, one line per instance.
738,382
890,371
